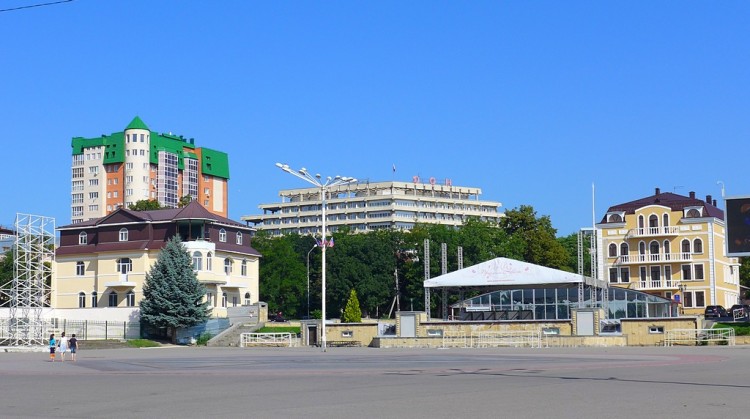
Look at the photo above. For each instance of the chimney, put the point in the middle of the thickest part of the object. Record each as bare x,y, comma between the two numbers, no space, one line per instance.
715,203
708,199
692,195
658,191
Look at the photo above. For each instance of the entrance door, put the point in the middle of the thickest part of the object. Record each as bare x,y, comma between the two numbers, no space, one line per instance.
585,323
312,335
408,326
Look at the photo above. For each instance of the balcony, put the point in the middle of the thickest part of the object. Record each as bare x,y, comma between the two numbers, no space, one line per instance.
658,284
653,231
123,282
654,258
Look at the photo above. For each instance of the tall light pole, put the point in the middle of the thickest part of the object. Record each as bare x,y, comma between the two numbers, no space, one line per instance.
323,187
308,280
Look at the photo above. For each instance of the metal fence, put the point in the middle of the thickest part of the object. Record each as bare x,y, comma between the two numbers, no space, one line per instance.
85,329
530,338
723,336
266,339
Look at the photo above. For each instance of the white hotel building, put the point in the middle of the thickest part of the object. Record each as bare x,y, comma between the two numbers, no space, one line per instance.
368,206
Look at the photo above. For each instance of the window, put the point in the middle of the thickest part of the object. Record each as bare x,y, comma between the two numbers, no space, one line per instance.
83,238
94,302
686,274
243,267
222,235
80,268
113,299
642,272
665,222
625,275
612,250
624,249
694,299
210,298
698,271
228,266
81,300
612,274
247,299
124,265
209,261
693,213
615,218
697,246
349,333
642,248
655,273
130,298
238,238
656,330
123,234
93,182
197,261
223,299
686,246
653,248
653,221
668,273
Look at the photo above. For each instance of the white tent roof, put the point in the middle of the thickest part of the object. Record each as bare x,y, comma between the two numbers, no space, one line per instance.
503,272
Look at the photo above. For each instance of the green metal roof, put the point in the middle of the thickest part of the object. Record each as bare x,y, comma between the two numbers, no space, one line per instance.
114,146
137,123
215,163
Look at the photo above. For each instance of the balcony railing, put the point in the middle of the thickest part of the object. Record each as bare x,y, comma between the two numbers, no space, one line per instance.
656,284
654,258
654,231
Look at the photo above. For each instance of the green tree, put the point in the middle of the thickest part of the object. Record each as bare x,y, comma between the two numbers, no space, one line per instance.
352,312
745,275
6,277
145,205
172,294
540,245
184,201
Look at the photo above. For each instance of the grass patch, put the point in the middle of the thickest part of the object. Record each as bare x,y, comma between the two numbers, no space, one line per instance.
142,343
739,329
280,329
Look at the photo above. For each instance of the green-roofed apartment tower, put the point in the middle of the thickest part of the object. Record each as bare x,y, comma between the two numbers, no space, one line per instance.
136,164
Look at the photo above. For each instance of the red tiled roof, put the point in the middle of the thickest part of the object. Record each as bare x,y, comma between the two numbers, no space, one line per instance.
673,201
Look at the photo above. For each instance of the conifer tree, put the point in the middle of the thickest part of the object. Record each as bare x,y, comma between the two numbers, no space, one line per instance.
172,294
352,312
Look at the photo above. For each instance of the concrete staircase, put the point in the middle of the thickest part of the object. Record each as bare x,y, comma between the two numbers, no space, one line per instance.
231,336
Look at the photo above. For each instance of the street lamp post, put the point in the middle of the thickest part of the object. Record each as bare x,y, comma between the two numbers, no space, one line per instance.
323,187
308,280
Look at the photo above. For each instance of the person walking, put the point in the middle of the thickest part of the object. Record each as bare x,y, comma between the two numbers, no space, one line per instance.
63,345
52,346
73,343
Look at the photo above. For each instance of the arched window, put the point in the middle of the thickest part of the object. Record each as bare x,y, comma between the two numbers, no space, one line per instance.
667,249
94,299
653,248
198,261
697,246
640,221
624,249
123,234
612,250
239,238
124,265
243,269
113,299
247,299
130,298
83,238
228,266
641,248
686,246
224,299
653,221
209,261
615,218
222,235
693,213
81,299
665,220
80,268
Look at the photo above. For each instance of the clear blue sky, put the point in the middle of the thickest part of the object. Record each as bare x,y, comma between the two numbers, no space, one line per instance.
531,101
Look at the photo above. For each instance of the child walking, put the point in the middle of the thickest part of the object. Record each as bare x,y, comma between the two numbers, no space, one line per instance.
52,347
73,343
63,344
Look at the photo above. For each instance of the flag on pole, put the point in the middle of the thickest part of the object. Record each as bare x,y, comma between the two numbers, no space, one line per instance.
330,242
394,167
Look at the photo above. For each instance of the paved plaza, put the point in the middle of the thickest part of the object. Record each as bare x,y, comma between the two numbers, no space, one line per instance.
678,382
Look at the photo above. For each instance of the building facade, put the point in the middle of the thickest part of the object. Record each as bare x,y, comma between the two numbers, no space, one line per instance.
119,169
103,262
367,206
671,246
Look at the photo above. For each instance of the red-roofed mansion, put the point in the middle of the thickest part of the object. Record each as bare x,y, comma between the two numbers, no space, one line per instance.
672,246
103,262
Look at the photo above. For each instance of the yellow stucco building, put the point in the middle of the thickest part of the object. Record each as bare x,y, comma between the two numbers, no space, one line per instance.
672,246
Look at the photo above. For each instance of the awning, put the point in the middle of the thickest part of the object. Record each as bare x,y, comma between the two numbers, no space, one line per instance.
503,272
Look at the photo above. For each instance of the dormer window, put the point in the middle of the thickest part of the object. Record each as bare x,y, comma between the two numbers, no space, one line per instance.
123,234
693,212
615,217
222,235
239,238
83,238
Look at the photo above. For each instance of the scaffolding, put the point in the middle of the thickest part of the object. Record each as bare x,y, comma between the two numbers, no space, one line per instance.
31,288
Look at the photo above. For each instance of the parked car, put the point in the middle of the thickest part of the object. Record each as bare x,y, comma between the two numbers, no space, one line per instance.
715,311
744,310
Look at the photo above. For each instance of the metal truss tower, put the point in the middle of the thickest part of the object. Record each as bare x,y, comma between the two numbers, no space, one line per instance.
427,276
32,275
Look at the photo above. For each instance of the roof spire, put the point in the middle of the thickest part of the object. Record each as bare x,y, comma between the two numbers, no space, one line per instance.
137,123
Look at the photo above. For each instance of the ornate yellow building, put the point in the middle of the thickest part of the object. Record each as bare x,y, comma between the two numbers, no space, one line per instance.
672,246
103,262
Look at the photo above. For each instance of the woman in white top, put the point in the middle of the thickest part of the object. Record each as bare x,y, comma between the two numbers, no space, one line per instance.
63,344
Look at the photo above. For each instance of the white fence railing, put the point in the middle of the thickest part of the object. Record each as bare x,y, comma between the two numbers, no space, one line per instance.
721,336
266,339
530,338
453,339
